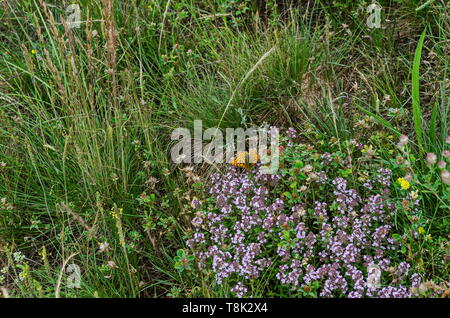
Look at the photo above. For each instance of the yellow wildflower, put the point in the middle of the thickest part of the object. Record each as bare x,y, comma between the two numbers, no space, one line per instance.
415,194
421,230
33,51
116,213
43,253
404,183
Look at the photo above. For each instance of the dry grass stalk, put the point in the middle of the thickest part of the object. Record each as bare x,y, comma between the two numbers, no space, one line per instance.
79,220
111,45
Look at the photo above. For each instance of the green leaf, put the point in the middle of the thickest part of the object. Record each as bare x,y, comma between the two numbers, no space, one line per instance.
403,249
181,253
380,119
298,164
417,114
423,6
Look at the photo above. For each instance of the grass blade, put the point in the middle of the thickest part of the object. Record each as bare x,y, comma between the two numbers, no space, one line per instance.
417,114
432,146
380,119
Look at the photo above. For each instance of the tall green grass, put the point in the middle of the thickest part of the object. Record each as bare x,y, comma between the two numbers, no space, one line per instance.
417,113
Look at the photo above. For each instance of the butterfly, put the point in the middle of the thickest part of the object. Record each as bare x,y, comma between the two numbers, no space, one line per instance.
245,159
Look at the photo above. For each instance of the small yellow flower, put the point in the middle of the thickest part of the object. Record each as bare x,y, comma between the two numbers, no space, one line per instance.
115,214
33,51
415,194
404,183
43,253
421,230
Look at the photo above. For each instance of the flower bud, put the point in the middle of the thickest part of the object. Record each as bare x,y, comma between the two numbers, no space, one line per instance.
408,177
431,159
445,176
403,141
441,164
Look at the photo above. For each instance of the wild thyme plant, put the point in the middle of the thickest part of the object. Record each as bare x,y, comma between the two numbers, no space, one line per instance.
313,229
